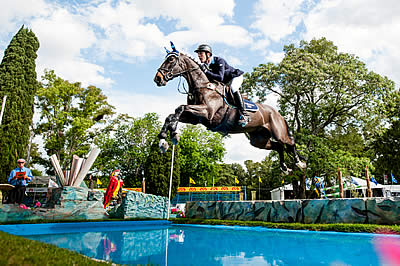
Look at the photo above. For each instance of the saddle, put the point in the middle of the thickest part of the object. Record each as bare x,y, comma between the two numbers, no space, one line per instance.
230,100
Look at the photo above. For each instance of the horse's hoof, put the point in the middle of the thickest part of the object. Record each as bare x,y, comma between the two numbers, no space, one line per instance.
301,165
163,145
287,171
175,139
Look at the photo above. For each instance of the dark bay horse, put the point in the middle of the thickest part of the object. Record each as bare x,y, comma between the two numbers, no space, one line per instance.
207,106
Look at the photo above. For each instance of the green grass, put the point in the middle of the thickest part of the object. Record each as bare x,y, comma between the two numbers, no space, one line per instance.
17,250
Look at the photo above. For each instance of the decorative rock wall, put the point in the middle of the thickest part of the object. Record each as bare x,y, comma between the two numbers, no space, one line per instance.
358,210
68,203
140,205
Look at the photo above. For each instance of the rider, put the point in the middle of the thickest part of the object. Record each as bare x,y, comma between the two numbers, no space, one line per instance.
216,68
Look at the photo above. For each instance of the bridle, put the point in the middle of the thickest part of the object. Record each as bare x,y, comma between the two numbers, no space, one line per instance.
168,74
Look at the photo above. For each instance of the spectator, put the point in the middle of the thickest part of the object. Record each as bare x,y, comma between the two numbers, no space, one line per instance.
91,183
19,178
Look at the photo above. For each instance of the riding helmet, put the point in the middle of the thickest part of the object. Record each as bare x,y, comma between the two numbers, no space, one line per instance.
203,48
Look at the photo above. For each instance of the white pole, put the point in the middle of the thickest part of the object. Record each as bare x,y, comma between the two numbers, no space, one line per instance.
2,107
170,182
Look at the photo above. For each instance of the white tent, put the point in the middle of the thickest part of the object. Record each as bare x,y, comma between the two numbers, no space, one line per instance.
349,182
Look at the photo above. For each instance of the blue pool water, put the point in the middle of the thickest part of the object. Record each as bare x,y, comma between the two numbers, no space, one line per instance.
162,243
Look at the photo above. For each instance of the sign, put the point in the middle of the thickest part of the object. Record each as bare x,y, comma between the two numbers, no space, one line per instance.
208,189
36,189
132,189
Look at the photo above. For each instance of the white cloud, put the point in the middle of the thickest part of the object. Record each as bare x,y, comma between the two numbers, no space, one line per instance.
62,37
366,28
238,149
14,13
130,32
275,57
277,18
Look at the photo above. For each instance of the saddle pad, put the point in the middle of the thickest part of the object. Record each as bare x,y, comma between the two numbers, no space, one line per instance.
250,106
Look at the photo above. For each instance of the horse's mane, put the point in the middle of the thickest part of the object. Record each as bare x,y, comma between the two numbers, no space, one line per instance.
190,57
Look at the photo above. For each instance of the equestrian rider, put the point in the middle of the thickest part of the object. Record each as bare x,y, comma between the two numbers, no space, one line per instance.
216,68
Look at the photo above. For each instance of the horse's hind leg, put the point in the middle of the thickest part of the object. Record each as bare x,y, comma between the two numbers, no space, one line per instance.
280,132
262,140
292,149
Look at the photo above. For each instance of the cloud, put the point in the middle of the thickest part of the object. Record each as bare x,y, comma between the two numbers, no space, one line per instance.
63,36
275,57
276,19
132,31
366,28
14,13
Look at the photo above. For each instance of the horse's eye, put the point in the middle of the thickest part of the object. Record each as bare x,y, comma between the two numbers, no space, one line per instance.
171,59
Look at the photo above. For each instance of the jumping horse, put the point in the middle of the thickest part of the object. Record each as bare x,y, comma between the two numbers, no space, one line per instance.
208,105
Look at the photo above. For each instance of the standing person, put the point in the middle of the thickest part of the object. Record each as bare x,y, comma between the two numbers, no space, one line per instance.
19,177
216,68
91,183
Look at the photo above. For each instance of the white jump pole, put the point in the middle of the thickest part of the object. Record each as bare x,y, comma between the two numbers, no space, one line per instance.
170,181
2,108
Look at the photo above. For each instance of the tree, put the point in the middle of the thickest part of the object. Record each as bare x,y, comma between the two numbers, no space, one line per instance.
321,89
125,144
157,170
69,114
200,153
323,92
18,82
227,174
384,147
386,151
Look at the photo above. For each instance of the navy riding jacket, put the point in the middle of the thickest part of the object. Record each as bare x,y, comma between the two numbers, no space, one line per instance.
221,71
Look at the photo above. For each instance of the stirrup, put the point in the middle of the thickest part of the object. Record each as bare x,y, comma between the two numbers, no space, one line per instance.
243,120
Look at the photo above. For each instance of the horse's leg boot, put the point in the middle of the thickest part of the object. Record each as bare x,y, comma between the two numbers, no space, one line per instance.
244,117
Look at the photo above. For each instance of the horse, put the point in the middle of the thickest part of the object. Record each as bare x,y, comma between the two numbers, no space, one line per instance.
207,105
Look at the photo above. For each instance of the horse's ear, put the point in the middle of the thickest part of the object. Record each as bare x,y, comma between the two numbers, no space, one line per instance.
173,47
166,50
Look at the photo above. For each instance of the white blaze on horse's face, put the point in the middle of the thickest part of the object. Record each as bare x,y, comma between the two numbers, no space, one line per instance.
165,73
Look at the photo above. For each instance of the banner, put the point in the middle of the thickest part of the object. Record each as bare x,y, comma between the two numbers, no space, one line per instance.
208,189
123,189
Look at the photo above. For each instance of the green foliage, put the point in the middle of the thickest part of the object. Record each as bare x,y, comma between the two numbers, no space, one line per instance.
68,116
18,82
333,102
387,152
227,174
125,144
200,153
17,250
157,170
320,88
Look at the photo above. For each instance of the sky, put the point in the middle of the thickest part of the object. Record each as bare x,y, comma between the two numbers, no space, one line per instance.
118,45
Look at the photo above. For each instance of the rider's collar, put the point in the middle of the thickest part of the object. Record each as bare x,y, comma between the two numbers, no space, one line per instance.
212,60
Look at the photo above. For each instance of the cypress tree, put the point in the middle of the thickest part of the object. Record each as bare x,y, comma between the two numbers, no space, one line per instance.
17,81
157,170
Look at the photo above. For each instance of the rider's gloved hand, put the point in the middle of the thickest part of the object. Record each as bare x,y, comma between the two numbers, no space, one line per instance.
204,68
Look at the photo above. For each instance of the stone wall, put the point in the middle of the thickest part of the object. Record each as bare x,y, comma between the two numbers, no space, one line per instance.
357,210
68,203
140,205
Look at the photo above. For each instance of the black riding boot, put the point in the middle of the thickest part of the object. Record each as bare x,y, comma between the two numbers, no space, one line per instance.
244,116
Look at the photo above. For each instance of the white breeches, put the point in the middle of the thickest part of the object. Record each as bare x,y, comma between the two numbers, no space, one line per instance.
236,83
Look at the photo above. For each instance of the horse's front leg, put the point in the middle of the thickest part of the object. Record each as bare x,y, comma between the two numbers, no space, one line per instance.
185,113
170,125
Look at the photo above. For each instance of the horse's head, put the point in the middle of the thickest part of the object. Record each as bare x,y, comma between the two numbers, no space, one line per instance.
169,69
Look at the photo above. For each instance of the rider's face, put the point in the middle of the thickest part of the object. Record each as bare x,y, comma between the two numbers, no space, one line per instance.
202,56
